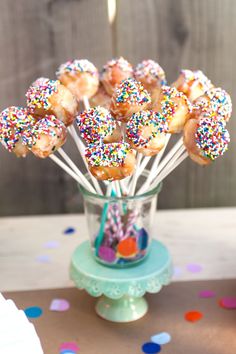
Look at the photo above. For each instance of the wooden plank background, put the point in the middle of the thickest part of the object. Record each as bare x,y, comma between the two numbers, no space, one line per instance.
36,36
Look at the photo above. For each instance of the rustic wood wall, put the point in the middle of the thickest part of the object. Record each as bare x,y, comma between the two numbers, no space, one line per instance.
36,36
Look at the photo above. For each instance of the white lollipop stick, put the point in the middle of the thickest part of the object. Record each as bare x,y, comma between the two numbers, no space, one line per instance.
86,102
70,172
135,176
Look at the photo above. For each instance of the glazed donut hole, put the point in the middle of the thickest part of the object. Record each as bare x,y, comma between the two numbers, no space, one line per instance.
101,98
51,97
47,135
114,161
13,122
174,107
80,77
146,132
192,83
97,125
205,139
114,72
129,97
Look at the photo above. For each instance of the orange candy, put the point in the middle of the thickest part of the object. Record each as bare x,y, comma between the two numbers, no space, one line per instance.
127,247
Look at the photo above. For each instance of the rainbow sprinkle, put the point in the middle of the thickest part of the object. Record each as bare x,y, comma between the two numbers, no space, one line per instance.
145,119
220,102
95,124
168,105
107,155
13,122
132,92
212,138
198,77
73,67
38,96
49,125
120,63
150,71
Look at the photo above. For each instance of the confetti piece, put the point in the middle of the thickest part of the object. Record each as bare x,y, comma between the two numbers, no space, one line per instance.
194,268
193,316
205,294
161,338
151,348
107,254
51,244
59,305
68,347
33,312
43,258
69,231
228,302
177,272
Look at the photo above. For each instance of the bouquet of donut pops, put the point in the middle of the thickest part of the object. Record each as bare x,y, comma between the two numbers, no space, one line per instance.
128,118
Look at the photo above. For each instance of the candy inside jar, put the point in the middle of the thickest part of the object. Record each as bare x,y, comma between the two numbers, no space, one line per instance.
120,229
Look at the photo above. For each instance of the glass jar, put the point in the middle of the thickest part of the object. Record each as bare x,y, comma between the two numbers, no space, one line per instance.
120,228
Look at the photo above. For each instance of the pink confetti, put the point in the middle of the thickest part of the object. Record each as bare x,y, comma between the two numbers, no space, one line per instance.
205,294
194,268
69,346
59,305
228,302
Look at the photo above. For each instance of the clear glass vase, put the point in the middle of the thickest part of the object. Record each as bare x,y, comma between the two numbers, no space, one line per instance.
120,229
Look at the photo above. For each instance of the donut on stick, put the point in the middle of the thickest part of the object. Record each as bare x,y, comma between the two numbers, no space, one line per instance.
152,77
111,162
101,98
129,97
97,125
13,122
146,132
205,139
51,97
80,77
47,135
192,83
115,71
174,107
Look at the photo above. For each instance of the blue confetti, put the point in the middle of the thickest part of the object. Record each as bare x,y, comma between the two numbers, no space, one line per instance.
161,338
151,348
69,231
33,312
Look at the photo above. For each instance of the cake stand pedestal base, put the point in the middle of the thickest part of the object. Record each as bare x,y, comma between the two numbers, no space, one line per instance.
121,290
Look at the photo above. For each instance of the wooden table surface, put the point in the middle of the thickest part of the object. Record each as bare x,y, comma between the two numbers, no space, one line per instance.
203,236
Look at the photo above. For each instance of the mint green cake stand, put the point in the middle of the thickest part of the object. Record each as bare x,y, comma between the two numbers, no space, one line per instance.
121,291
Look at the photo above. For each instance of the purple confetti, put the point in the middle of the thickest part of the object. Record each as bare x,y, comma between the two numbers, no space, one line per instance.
194,268
205,294
59,305
51,244
228,302
43,258
177,272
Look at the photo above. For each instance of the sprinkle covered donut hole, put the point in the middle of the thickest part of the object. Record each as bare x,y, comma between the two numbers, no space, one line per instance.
40,81
13,122
80,76
129,97
51,97
146,132
101,98
97,125
47,135
174,106
192,83
110,162
205,139
216,103
115,71
152,77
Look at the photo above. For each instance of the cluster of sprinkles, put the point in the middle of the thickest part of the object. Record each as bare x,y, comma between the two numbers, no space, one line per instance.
107,155
121,63
212,138
76,66
150,71
132,92
13,122
168,105
220,102
49,125
197,77
38,96
144,119
95,124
